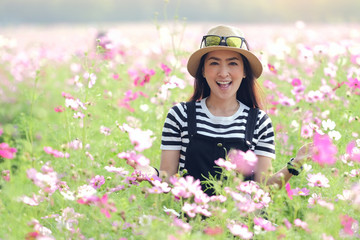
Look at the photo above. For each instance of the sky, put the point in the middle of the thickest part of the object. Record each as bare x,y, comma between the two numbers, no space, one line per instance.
246,11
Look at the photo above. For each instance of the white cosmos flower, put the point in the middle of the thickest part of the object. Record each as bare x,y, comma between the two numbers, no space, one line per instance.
334,135
328,124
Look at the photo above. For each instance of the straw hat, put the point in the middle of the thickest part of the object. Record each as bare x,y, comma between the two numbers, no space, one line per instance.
225,31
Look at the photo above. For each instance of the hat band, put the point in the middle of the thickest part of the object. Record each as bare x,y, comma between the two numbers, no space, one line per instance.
230,41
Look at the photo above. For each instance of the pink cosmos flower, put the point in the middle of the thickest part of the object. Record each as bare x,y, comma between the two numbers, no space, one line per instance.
6,151
68,219
286,101
62,186
245,162
184,226
97,181
269,84
32,201
56,153
59,109
289,191
105,206
300,192
314,199
348,223
306,131
92,79
244,203
190,209
75,145
355,195
119,171
249,187
296,82
301,224
324,150
353,83
48,182
104,130
115,76
317,180
219,198
89,156
117,188
173,82
134,159
265,224
225,164
353,151
166,69
345,196
240,230
79,115
326,237
287,223
102,203
67,95
325,204
6,175
272,68
141,139
354,173
250,198
213,231
159,187
142,78
40,232
74,104
314,96
185,187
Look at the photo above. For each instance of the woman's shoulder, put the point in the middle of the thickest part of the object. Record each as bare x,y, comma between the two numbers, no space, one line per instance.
262,115
178,109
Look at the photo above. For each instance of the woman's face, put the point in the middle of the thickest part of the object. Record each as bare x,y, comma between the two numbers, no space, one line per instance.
223,71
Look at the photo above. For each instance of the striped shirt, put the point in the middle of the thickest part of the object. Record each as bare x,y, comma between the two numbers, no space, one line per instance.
175,132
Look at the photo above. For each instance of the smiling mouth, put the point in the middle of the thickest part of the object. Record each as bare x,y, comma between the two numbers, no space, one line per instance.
223,84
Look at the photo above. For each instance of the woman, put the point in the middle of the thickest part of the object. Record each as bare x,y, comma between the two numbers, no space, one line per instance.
217,118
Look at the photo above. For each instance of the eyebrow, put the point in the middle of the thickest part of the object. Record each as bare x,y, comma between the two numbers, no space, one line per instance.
228,59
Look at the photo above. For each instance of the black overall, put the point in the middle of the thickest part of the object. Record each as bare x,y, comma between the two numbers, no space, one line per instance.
202,151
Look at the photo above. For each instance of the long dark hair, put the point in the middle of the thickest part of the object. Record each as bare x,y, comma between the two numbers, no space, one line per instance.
249,92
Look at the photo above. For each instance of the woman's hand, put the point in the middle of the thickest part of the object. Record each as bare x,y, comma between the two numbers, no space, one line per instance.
144,172
304,153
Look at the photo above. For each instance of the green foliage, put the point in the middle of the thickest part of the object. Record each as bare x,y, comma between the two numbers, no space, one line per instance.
30,123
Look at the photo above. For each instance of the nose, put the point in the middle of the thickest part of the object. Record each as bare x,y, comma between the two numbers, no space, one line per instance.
223,71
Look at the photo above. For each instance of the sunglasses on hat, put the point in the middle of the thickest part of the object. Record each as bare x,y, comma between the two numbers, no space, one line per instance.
215,40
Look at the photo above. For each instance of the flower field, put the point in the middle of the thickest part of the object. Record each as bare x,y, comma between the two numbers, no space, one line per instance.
80,106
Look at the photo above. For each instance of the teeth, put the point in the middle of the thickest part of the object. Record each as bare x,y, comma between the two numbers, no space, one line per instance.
223,82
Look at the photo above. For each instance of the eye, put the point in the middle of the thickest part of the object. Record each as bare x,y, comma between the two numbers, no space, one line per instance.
233,63
213,63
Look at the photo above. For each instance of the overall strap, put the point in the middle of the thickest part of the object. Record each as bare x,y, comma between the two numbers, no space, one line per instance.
250,126
191,118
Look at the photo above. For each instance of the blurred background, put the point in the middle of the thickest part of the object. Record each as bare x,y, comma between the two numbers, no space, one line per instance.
14,12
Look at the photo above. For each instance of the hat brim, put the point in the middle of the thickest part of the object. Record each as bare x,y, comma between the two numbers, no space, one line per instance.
195,58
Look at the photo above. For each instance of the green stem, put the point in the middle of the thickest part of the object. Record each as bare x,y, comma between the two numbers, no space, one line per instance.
30,122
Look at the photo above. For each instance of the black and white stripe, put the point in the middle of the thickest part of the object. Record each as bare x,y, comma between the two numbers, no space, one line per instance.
175,131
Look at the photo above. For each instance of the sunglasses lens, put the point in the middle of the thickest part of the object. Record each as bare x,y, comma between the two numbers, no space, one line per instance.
234,42
212,41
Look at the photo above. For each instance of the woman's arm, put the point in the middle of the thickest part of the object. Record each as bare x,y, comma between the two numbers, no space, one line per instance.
263,169
169,163
168,166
